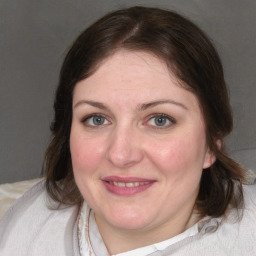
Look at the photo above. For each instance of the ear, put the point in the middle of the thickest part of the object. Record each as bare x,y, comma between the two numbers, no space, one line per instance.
219,144
210,157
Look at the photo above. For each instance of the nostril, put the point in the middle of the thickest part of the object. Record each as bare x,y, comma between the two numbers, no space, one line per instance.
124,158
123,150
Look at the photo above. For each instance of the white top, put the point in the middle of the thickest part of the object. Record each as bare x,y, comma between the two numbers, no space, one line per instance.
30,228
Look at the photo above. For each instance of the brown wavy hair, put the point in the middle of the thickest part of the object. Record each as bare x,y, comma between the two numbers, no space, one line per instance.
190,55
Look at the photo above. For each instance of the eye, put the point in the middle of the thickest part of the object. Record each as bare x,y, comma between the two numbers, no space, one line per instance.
95,120
161,121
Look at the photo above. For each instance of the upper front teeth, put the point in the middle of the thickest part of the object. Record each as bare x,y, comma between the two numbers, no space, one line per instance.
128,184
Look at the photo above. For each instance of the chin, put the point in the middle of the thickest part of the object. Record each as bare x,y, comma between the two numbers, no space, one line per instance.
129,220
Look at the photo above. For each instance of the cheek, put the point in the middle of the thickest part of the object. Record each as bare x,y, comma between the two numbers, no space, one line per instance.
179,155
85,154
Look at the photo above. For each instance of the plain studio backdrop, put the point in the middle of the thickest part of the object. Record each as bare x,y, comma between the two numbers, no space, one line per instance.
35,36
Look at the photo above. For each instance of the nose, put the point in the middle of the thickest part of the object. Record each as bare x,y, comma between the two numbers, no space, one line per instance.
124,149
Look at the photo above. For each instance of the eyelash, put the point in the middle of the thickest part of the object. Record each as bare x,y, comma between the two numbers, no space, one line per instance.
96,115
151,117
163,116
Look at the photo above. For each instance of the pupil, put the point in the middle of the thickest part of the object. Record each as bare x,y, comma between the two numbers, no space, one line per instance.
160,121
98,120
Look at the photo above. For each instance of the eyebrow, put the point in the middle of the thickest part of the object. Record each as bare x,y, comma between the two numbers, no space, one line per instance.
152,104
92,103
141,107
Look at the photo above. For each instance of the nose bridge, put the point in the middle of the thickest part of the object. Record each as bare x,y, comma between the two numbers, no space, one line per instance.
124,149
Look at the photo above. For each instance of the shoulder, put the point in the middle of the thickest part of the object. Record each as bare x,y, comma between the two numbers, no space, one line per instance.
250,196
246,222
238,235
249,213
30,227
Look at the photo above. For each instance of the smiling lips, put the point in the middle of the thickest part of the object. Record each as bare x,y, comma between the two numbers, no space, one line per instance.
126,186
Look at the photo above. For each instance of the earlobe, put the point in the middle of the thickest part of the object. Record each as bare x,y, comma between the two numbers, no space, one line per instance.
210,158
219,144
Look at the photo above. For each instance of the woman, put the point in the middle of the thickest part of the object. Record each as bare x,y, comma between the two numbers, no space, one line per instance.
136,165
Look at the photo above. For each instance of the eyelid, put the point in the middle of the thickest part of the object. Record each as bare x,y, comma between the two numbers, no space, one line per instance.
169,118
87,117
151,116
91,115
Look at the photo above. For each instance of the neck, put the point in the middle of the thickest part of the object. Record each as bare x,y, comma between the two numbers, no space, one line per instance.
119,240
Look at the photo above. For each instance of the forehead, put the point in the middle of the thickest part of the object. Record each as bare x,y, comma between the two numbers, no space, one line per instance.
135,64
136,76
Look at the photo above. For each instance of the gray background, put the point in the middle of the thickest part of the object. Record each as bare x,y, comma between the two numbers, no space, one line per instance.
35,35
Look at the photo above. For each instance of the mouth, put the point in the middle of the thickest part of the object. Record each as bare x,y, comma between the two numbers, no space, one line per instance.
126,186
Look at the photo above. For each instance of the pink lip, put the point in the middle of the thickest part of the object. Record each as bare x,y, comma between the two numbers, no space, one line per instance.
126,191
126,179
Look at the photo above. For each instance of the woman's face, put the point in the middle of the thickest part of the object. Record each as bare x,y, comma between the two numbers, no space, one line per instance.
138,144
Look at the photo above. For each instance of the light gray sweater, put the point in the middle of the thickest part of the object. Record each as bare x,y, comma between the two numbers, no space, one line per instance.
30,228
